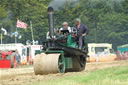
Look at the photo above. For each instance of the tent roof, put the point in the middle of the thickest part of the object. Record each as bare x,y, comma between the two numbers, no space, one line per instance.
123,46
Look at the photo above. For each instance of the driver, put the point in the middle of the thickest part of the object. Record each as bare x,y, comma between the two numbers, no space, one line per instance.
64,28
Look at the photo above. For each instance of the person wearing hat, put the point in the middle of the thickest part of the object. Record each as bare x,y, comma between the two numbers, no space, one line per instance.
65,27
82,31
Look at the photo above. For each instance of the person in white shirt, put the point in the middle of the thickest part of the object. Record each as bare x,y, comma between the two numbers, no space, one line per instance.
65,27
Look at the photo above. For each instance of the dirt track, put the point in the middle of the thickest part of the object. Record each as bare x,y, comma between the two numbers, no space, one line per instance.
25,75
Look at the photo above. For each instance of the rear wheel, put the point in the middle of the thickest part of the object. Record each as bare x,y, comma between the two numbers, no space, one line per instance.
78,64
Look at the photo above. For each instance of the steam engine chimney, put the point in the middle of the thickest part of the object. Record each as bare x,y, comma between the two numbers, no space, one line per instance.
51,22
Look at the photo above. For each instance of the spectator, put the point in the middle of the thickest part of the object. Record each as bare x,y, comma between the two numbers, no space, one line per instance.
18,58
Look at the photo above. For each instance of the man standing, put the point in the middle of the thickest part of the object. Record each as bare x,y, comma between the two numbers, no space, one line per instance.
82,31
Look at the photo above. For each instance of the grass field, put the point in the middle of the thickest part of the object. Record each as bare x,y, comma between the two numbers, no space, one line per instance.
109,76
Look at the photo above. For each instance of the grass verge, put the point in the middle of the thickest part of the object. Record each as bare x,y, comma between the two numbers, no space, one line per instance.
109,76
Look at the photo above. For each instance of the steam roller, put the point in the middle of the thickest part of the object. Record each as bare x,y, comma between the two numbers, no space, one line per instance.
60,53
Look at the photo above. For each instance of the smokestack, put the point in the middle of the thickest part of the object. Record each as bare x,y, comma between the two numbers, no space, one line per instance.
51,21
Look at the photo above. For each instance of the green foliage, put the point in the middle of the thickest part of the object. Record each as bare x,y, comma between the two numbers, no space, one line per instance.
3,13
107,20
26,11
109,76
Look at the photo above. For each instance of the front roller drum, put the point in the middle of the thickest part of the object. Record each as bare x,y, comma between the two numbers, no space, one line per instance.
49,63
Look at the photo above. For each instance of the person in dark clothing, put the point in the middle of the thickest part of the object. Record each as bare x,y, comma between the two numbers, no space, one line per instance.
82,31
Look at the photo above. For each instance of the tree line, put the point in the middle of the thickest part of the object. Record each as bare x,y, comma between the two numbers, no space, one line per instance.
107,20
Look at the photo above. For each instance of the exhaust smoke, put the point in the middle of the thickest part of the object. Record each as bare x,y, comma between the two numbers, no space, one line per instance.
56,4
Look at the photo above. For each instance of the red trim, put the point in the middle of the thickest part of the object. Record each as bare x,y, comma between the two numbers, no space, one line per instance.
14,62
5,63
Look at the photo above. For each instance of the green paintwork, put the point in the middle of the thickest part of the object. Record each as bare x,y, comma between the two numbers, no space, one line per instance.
71,41
123,48
68,62
37,52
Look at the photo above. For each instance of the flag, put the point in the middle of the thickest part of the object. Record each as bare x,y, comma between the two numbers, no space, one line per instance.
21,24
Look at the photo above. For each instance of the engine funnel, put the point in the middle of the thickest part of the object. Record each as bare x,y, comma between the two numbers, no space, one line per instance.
51,21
